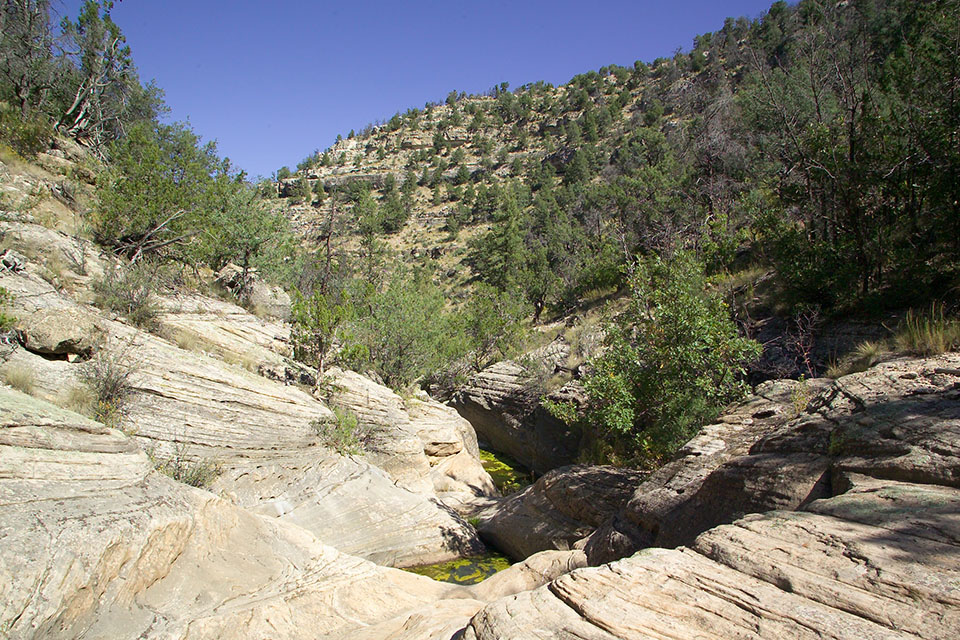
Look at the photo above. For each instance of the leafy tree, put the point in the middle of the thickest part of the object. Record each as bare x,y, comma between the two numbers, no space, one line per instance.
318,323
494,324
673,359
401,332
167,195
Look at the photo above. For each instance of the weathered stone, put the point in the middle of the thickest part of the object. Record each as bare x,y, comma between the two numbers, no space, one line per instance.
662,507
506,413
61,332
95,544
191,407
899,420
393,443
775,575
560,508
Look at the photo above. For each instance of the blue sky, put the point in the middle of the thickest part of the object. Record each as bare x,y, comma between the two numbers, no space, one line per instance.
273,81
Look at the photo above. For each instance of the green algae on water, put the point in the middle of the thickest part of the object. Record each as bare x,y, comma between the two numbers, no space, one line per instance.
508,475
465,570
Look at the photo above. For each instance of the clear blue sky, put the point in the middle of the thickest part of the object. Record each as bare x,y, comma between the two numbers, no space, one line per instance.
272,81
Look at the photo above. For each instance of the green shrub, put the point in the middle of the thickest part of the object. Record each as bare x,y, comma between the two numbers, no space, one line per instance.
26,137
107,377
6,320
196,473
342,433
673,359
129,292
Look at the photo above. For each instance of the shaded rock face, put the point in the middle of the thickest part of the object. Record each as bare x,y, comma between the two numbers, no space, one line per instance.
852,497
506,413
559,509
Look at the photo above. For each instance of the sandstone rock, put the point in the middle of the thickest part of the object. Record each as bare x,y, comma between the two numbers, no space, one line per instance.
353,506
661,508
899,420
193,408
264,298
450,444
560,508
505,411
269,300
775,575
95,544
70,259
60,332
393,444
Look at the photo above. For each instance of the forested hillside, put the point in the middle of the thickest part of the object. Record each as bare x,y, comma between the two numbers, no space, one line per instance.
819,139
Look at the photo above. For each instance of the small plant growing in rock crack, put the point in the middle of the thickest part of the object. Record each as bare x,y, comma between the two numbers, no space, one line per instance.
800,397
196,473
343,432
107,377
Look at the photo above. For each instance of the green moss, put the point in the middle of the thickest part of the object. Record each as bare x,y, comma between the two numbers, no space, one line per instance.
508,475
465,570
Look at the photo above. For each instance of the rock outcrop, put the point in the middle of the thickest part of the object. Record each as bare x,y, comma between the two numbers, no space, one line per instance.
505,410
94,543
780,450
877,562
97,544
559,509
190,408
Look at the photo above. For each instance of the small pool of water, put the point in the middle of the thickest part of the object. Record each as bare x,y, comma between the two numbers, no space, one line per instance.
508,475
465,570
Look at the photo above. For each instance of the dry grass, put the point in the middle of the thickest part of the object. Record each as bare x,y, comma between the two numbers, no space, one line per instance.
78,399
19,377
862,358
928,333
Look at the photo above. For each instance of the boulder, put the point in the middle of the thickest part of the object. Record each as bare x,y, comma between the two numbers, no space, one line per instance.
265,299
60,332
559,509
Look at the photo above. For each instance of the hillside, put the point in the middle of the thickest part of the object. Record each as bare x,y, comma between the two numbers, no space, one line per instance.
778,143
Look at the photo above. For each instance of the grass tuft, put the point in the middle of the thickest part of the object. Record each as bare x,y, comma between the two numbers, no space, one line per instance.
928,333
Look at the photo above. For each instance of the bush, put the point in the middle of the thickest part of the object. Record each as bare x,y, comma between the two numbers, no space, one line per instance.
6,320
129,292
342,433
107,377
26,137
196,473
928,334
673,359
403,333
